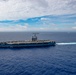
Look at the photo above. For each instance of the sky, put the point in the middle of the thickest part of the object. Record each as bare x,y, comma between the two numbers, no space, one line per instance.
37,15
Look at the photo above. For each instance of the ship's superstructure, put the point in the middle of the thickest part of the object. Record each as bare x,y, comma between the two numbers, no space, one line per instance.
31,43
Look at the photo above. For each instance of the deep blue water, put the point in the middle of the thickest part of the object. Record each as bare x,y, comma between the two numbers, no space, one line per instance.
58,60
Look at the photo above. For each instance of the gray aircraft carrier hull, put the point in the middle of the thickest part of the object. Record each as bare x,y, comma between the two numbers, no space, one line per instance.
25,44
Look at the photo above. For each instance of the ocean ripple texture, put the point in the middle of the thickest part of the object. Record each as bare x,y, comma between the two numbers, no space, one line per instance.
58,60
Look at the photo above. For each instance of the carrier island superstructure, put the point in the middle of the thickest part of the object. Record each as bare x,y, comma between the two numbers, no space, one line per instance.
34,42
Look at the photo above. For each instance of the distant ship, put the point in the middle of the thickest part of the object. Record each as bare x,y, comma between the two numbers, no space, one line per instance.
34,42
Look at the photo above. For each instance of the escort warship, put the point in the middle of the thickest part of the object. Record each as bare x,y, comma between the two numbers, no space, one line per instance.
34,42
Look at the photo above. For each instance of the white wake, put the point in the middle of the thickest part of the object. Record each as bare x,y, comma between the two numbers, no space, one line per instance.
69,43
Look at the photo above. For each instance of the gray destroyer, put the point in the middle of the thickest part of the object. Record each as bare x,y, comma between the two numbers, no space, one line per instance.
34,42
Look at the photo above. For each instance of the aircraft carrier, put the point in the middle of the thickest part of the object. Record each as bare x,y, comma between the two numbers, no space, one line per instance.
34,42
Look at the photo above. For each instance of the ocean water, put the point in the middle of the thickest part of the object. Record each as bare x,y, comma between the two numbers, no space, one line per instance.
58,60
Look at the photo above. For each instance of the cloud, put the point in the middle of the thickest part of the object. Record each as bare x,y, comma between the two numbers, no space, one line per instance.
41,3
44,19
3,0
27,27
74,28
75,23
23,9
14,28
